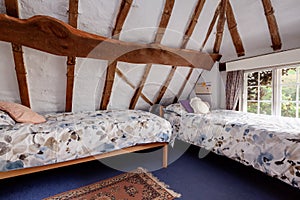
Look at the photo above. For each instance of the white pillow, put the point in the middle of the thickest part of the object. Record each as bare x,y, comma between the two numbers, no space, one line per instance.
199,106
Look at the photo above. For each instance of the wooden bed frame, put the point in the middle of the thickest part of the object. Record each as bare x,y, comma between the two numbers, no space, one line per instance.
18,172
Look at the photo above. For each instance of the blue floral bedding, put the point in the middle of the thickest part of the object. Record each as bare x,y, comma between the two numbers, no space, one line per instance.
68,136
268,143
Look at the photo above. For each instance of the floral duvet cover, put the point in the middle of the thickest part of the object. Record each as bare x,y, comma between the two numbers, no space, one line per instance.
268,143
68,136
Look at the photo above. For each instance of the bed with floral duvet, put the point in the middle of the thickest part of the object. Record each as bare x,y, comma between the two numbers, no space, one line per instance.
70,136
268,143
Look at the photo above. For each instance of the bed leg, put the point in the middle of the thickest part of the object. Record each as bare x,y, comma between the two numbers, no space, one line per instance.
165,156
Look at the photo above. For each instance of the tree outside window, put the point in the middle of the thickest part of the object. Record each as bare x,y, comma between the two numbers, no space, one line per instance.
273,91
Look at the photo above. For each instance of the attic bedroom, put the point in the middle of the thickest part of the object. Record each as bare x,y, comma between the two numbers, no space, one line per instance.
140,99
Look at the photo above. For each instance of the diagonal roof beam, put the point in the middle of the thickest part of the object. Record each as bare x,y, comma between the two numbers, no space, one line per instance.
220,27
211,26
12,9
71,60
192,24
122,76
188,33
272,24
238,44
111,69
169,4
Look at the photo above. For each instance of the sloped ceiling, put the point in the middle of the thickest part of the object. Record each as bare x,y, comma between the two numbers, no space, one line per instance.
47,73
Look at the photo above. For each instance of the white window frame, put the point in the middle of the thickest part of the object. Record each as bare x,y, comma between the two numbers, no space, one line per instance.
276,89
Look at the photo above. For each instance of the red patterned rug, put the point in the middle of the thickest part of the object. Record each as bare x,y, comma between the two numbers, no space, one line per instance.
137,185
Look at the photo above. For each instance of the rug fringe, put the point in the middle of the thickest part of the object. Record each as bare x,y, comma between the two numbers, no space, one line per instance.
162,184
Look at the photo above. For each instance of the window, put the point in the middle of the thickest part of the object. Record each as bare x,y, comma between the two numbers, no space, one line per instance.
273,91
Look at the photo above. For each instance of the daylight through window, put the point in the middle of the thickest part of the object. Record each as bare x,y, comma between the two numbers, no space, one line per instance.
273,91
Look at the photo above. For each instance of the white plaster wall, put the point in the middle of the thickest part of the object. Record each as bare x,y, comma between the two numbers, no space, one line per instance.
288,20
202,26
217,97
8,81
122,92
180,17
88,83
46,80
156,78
98,16
142,21
57,9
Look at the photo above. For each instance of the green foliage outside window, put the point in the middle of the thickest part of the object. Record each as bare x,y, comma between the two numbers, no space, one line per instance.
259,92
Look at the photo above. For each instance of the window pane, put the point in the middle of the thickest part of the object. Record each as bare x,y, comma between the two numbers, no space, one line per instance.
252,93
265,108
288,109
265,93
265,77
252,107
288,92
288,76
298,70
252,79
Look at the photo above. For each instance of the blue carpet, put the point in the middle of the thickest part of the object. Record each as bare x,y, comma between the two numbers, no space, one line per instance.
212,177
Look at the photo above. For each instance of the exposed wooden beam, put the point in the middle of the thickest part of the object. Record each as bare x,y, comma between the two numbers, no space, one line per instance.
138,91
123,12
111,69
192,23
71,60
12,9
53,36
232,25
109,80
125,6
165,18
164,21
187,78
220,26
121,75
73,13
211,25
165,86
188,33
272,24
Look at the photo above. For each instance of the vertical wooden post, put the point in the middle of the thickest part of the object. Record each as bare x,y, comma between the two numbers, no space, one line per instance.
71,60
12,9
165,156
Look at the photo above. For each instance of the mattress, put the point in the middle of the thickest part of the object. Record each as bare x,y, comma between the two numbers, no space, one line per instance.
68,136
268,143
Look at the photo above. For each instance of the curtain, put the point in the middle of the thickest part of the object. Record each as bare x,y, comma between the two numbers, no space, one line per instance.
234,84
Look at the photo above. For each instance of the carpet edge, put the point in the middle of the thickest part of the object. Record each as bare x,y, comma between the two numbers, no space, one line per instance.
159,182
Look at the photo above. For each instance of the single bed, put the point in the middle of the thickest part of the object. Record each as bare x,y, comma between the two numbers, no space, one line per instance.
268,143
69,138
